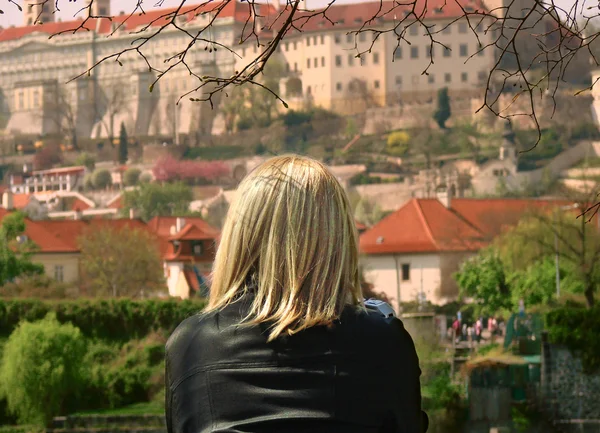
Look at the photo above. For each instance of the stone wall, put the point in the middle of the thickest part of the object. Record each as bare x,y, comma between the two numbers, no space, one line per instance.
566,391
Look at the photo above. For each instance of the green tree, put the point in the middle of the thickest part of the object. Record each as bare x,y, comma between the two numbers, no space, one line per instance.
398,142
443,113
131,177
155,199
16,249
145,178
101,179
87,160
42,370
484,279
544,234
367,212
108,272
123,150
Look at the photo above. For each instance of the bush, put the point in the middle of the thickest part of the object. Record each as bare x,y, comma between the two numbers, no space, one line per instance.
578,329
87,160
112,320
35,286
398,143
145,178
43,370
131,176
101,179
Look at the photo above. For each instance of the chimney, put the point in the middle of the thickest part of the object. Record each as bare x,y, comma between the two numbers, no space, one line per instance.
77,215
443,195
179,224
7,200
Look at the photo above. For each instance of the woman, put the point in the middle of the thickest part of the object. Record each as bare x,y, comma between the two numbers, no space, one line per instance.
285,343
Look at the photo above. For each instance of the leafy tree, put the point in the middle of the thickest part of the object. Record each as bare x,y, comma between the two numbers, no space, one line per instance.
87,160
131,176
484,279
123,151
398,143
102,179
537,235
155,199
42,369
120,262
16,250
443,113
367,212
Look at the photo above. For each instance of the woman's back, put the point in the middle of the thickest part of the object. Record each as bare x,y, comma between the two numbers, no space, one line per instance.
360,375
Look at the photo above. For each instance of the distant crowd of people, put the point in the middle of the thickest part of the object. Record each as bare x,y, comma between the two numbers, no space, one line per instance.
465,331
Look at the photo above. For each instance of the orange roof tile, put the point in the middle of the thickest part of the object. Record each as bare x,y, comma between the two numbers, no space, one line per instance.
20,201
191,233
425,225
162,225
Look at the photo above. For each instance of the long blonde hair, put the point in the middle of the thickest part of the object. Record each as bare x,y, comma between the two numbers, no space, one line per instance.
290,228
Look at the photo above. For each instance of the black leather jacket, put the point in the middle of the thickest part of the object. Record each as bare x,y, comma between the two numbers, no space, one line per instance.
360,376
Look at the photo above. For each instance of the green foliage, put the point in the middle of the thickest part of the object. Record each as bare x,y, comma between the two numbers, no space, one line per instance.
87,160
442,113
42,369
39,286
585,131
483,278
111,319
351,129
15,254
398,143
367,212
578,329
101,179
211,153
123,151
131,176
154,199
145,178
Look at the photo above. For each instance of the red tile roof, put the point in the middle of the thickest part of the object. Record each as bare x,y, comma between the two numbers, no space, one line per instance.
20,201
162,225
191,232
425,225
344,15
116,202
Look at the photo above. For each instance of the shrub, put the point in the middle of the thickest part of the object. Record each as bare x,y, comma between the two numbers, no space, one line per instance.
398,142
131,176
112,320
87,160
101,179
42,369
145,178
35,286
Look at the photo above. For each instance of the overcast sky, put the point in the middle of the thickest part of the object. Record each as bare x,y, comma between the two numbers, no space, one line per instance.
12,16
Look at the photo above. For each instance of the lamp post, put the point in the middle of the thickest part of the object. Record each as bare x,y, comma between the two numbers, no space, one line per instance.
556,261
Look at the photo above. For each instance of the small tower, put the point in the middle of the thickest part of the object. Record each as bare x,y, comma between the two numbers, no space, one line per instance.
508,148
34,14
100,8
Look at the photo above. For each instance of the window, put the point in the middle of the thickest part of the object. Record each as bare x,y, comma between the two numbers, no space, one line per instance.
336,38
59,273
322,39
296,66
286,46
338,60
314,40
350,60
405,271
197,248
363,60
376,84
414,52
398,53
447,51
462,27
349,38
308,42
316,63
464,50
414,30
322,61
480,52
447,30
447,78
36,98
21,100
464,77
362,37
295,45
287,67
375,58
481,75
479,28
308,63
431,78
398,80
338,87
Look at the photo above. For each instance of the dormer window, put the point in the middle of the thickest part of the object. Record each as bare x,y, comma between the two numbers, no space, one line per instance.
197,248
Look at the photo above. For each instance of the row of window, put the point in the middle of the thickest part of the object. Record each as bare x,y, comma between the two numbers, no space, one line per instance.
464,78
463,51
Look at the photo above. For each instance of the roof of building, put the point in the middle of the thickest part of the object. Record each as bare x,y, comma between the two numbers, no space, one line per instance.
191,232
344,15
426,225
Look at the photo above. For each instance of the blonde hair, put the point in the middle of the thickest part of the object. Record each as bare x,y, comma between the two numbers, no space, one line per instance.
290,228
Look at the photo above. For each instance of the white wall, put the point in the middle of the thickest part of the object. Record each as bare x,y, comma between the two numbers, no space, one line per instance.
380,270
172,273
